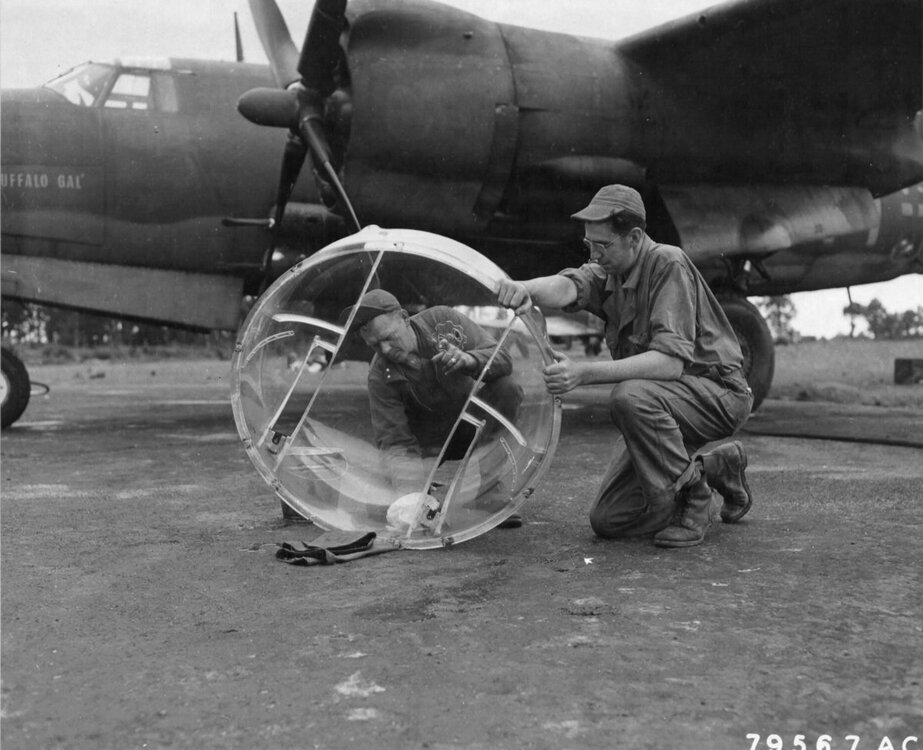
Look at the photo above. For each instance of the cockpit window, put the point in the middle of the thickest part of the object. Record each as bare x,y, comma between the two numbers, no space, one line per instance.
131,91
91,85
84,84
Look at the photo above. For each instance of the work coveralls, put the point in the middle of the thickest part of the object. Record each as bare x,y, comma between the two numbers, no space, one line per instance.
413,410
664,305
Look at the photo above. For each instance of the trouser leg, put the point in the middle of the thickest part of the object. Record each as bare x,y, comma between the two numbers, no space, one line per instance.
621,508
662,424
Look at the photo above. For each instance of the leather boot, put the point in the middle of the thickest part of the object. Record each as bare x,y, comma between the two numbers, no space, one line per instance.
692,517
724,469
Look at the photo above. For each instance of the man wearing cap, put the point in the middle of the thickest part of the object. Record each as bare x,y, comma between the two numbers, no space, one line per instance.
423,370
676,370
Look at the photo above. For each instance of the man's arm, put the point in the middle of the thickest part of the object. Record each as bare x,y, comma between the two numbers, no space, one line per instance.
564,374
479,346
673,322
546,291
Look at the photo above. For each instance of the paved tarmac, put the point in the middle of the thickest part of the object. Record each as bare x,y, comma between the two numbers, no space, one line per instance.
142,606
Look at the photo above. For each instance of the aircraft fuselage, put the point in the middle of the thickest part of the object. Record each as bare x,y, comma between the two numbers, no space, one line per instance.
104,198
117,189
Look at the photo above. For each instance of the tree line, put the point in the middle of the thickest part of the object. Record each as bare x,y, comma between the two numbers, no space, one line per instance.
880,323
883,324
39,325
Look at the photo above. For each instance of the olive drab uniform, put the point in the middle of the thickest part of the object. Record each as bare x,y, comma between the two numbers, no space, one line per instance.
414,408
662,304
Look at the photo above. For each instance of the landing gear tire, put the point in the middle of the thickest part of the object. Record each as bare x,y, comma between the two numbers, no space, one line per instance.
14,388
756,344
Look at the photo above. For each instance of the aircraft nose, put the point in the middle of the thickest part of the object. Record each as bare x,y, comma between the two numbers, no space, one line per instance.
40,127
36,96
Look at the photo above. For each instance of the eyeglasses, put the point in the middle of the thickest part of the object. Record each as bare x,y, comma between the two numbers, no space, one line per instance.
597,246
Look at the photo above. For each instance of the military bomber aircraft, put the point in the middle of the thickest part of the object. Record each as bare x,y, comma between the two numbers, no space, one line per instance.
779,142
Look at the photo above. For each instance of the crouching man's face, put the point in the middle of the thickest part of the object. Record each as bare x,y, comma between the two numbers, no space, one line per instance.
391,336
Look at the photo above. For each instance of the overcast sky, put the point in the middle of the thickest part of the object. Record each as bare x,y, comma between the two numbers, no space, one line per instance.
41,38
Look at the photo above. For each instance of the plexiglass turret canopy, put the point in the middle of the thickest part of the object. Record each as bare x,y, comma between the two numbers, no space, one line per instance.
325,441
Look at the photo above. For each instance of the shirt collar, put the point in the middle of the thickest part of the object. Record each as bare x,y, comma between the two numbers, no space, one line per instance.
634,275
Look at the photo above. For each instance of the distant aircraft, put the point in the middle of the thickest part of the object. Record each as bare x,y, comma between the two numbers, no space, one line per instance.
779,142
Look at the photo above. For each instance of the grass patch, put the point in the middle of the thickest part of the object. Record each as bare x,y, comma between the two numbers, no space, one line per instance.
842,370
847,371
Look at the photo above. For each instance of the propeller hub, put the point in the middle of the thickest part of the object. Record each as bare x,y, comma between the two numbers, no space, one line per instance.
303,106
272,107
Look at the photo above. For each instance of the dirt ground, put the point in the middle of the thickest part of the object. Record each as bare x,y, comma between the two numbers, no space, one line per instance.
142,606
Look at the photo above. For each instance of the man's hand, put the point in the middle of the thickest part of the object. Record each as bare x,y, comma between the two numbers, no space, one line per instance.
513,294
452,359
563,374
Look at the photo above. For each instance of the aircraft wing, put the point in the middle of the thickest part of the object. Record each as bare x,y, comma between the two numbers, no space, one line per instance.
716,221
836,81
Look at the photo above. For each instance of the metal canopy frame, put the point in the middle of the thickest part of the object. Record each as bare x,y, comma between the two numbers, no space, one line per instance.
270,445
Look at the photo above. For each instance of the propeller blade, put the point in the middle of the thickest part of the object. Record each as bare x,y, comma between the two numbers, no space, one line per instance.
321,51
308,80
314,135
276,40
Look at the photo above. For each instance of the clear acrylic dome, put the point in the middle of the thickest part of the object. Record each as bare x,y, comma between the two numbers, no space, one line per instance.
325,441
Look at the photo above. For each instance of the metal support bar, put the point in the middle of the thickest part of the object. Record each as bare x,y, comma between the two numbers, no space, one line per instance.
511,428
311,321
459,475
270,428
465,416
346,326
